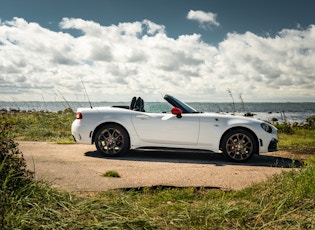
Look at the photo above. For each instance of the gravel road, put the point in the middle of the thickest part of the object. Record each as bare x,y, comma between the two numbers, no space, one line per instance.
79,168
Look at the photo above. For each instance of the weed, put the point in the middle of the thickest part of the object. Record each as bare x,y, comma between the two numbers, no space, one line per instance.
233,105
111,174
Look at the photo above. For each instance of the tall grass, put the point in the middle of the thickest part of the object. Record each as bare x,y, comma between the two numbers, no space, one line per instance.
285,201
13,172
41,126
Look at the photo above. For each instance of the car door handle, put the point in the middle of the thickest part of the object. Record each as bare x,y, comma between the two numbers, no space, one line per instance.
143,117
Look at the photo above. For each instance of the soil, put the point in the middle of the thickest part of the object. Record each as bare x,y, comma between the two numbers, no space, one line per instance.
80,168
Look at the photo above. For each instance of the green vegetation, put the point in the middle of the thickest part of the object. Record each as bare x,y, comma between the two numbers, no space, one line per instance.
311,120
13,173
296,139
302,141
285,201
111,174
41,126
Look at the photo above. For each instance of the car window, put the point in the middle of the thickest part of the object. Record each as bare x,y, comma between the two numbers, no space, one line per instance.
158,107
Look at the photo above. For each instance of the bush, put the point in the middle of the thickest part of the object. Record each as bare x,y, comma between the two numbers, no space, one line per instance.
311,120
13,172
284,128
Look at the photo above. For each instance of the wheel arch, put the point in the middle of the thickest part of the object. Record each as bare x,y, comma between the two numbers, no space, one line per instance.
100,126
243,128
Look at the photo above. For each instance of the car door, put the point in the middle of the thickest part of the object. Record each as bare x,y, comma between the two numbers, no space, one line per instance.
167,128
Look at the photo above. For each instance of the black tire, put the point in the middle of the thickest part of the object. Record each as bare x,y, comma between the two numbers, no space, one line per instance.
239,145
112,140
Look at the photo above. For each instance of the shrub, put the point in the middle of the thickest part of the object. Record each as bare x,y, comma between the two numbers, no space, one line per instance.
13,172
284,128
12,162
311,120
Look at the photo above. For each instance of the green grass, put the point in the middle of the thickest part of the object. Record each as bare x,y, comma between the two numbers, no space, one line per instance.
301,140
285,201
41,126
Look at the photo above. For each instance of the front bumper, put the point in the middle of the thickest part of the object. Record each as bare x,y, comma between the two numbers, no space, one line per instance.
273,145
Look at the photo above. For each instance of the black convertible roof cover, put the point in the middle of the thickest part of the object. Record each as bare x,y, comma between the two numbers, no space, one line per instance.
179,104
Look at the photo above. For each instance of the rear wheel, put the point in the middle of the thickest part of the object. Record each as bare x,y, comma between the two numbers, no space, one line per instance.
112,140
239,145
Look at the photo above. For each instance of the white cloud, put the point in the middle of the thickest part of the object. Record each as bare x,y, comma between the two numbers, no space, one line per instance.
119,61
205,19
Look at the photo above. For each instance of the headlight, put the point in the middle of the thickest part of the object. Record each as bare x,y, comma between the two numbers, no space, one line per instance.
266,127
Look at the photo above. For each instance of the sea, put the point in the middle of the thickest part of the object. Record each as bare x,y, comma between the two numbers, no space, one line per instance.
289,112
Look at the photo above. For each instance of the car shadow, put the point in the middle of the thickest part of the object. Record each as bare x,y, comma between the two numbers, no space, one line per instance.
198,157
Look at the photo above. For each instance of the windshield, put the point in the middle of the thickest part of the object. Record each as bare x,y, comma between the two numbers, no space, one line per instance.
179,104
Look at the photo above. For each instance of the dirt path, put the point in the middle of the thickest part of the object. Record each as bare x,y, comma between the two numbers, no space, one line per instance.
79,168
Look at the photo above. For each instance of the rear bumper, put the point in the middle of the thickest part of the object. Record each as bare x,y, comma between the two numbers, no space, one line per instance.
74,138
81,134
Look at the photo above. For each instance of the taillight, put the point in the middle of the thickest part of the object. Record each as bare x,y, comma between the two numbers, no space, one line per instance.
79,115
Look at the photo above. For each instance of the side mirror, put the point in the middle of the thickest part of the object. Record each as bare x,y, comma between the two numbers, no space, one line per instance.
177,111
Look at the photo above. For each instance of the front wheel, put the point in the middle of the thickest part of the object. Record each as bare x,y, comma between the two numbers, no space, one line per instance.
112,140
239,145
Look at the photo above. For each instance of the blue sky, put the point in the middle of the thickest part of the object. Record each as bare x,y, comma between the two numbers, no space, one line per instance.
196,50
259,17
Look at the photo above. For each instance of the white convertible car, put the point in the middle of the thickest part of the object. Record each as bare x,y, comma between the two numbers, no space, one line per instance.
116,129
